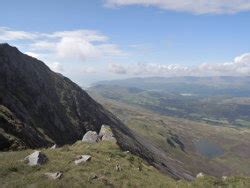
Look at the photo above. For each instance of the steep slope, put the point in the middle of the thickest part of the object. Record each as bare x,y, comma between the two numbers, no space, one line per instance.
39,107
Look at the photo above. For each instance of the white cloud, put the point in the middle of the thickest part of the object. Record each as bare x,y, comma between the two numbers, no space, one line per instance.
88,70
193,6
75,45
9,35
56,66
117,68
32,54
240,66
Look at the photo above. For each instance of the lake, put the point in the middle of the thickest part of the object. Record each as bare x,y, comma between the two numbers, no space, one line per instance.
207,148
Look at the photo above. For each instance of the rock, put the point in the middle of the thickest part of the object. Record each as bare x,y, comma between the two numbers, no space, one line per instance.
54,176
118,167
224,178
200,175
93,177
36,158
106,133
91,137
54,146
83,159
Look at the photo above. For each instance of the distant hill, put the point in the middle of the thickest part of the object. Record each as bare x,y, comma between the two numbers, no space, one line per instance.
215,109
223,85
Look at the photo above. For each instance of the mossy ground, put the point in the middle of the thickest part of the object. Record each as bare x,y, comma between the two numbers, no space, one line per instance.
105,155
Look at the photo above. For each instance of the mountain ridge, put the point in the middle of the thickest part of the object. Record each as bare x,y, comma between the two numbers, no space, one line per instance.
39,107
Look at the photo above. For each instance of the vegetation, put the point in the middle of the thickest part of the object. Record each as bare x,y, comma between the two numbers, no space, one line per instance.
99,172
178,138
223,110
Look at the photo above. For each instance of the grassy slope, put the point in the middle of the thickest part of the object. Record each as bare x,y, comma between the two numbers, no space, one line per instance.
14,173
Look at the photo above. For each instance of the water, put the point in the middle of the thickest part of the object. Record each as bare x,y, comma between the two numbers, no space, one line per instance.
207,148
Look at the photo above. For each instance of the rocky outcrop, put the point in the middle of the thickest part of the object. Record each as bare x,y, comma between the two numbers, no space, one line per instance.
36,158
90,137
39,108
106,134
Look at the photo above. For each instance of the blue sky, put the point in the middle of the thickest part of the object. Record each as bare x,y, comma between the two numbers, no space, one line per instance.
91,40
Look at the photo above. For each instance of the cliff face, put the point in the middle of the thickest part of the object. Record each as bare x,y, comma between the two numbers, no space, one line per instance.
39,107
47,106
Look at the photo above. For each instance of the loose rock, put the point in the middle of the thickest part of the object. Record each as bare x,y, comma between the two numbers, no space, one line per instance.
224,178
91,137
54,176
200,175
106,133
54,146
93,177
36,158
83,159
118,167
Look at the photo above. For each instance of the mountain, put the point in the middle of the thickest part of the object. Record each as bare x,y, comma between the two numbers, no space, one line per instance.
39,107
205,86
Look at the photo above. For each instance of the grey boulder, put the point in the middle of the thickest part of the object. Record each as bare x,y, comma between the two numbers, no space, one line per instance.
36,158
91,137
54,146
106,134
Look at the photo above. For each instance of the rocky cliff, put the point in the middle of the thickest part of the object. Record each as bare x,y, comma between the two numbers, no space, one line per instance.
39,107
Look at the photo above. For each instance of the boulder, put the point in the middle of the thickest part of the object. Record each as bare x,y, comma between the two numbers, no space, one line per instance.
91,137
54,146
106,134
83,159
36,158
224,178
200,175
54,175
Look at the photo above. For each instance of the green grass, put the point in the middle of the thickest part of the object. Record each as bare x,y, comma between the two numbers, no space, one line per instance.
135,172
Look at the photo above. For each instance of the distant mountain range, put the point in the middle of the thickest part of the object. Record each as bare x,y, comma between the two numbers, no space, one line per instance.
223,85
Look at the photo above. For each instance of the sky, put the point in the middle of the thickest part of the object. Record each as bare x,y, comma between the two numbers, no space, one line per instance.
92,40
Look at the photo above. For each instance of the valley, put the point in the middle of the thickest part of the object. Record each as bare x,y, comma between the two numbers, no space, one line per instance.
212,148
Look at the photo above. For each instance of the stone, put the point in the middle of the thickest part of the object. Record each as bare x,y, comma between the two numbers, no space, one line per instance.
54,176
118,167
200,175
54,146
83,159
90,137
36,158
106,133
93,177
224,178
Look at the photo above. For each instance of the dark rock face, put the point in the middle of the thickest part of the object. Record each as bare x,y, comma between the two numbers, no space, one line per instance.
39,107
